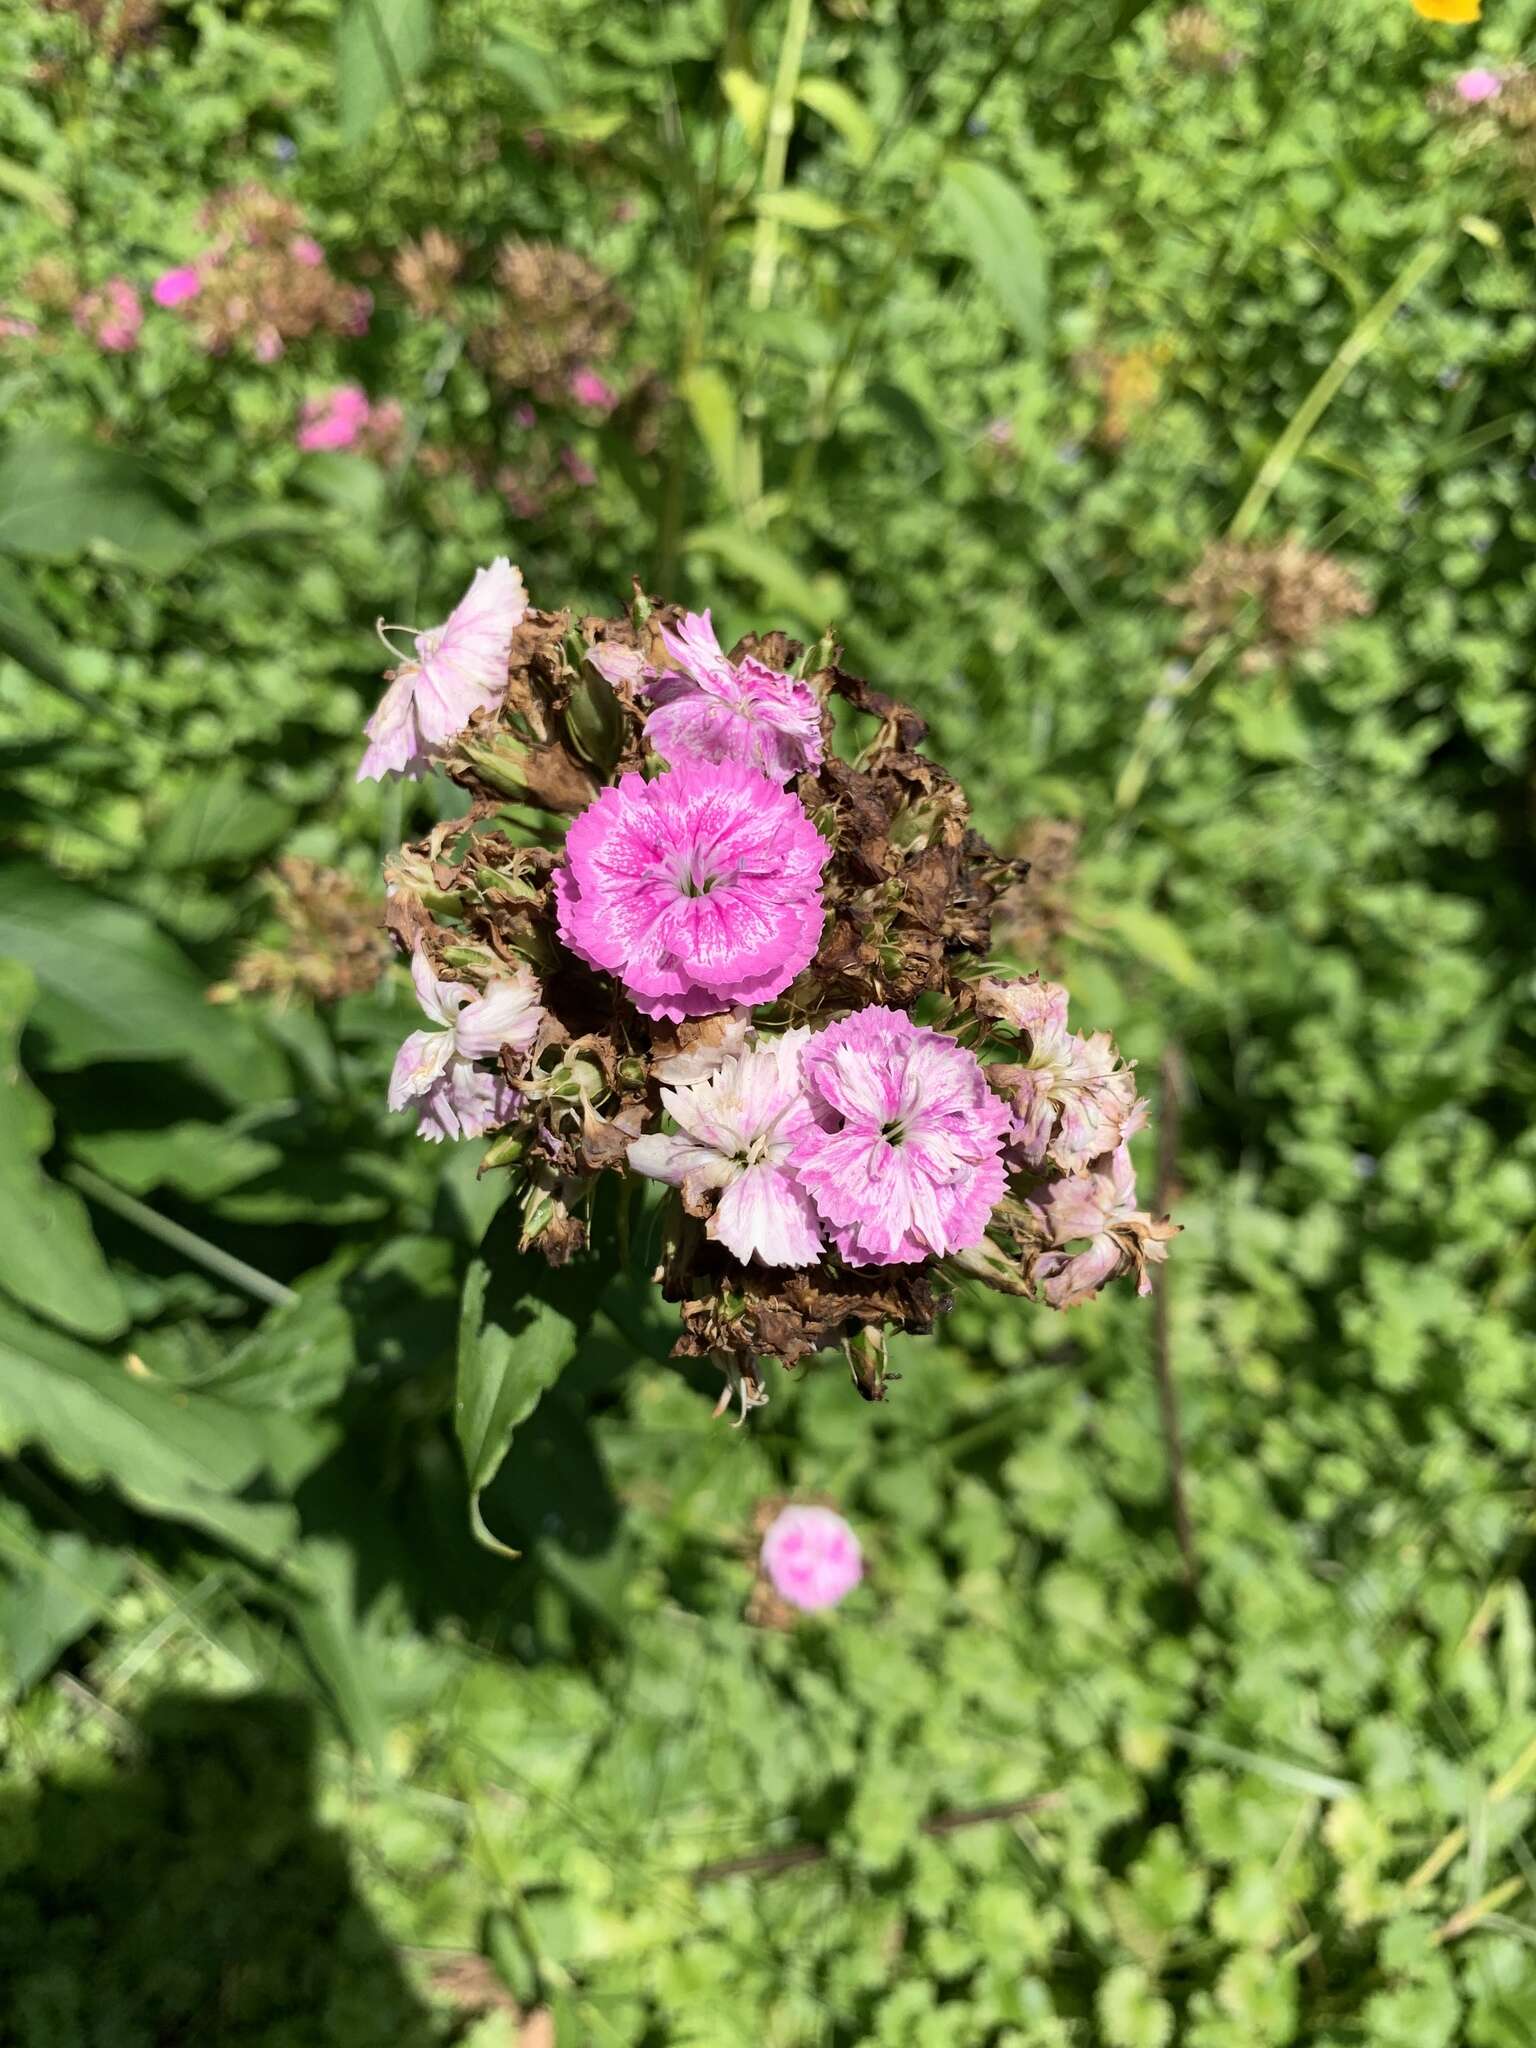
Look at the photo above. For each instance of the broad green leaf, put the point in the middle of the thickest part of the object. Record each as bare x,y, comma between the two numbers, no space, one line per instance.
334,1639
1156,939
21,182
843,111
114,987
381,45
197,1159
814,599
520,1325
218,817
60,496
798,208
709,397
531,69
748,99
49,1258
995,227
52,1588
170,1453
298,1359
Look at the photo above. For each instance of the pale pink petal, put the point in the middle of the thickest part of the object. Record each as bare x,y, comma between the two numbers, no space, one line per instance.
462,664
418,1065
765,1214
509,1013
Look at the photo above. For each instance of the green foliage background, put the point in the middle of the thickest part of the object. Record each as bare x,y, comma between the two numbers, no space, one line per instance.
230,1465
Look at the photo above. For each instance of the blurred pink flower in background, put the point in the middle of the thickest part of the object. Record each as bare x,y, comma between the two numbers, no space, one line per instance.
334,421
13,328
268,345
577,469
524,416
175,287
1478,85
812,1557
588,388
111,316
362,311
306,250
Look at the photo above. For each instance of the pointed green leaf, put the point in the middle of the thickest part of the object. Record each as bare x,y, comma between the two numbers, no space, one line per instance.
995,227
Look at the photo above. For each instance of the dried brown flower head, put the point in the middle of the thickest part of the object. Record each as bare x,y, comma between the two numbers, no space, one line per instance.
1291,595
558,313
331,941
426,269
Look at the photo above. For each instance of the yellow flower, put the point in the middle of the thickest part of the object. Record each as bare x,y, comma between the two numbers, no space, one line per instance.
1449,10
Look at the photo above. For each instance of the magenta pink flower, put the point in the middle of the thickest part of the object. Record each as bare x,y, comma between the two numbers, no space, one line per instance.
699,890
812,1557
1074,1099
524,416
736,1128
436,1069
111,316
903,1156
709,708
175,287
306,250
1475,86
335,421
1101,1207
458,668
588,388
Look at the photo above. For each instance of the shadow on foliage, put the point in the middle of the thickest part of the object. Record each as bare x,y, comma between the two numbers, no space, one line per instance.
193,1897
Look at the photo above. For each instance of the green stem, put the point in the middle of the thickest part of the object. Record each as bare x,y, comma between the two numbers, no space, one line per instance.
1356,345
179,1238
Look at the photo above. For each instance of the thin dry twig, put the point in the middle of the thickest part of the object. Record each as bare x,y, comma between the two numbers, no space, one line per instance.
774,1862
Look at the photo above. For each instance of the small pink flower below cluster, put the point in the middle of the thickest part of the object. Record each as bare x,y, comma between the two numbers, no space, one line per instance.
709,708
811,1557
699,890
111,316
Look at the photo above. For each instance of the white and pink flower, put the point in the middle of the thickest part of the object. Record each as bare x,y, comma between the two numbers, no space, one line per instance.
111,316
709,708
1099,1206
458,668
730,1153
436,1069
1074,1099
699,891
902,1155
811,1557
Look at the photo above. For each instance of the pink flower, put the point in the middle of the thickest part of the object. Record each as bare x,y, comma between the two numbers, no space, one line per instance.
458,668
587,388
737,1127
699,890
524,416
175,287
812,1557
306,250
14,328
903,1157
1473,87
268,345
1099,1206
578,469
1074,1099
436,1070
711,709
360,312
111,316
335,421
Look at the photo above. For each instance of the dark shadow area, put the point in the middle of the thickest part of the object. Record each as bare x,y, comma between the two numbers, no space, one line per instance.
191,1899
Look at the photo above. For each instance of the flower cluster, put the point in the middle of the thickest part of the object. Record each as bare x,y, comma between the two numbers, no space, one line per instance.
111,316
261,279
557,316
751,971
347,418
